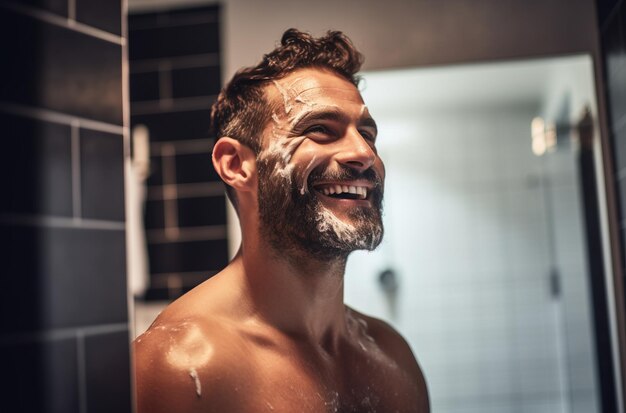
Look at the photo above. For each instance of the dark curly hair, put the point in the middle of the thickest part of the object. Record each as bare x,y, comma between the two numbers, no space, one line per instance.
242,111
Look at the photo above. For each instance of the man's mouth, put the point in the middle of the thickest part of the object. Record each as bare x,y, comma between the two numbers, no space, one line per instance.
339,191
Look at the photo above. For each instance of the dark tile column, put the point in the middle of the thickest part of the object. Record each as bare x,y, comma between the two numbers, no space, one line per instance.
612,21
64,344
174,79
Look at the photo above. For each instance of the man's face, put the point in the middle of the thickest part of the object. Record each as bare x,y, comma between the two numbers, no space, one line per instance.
320,177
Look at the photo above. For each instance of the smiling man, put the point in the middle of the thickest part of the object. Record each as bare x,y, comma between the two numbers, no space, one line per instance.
271,333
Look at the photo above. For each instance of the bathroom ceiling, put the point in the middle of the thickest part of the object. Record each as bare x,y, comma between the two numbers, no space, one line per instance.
477,86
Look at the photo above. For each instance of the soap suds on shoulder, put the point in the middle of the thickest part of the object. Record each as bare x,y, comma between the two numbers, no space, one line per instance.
194,376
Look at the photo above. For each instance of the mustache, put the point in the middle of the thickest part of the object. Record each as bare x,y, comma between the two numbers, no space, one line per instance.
345,173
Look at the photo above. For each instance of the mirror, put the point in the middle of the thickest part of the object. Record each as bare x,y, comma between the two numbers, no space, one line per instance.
485,267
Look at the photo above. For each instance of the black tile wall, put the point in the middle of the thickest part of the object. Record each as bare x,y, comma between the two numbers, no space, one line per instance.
54,6
102,176
166,48
195,168
78,278
201,211
613,43
102,361
207,14
105,15
617,94
605,7
172,126
173,41
196,81
188,256
612,21
40,155
144,86
620,147
41,377
142,21
67,71
154,216
64,278
156,172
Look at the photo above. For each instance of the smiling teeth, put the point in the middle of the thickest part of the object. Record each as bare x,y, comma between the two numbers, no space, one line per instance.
361,191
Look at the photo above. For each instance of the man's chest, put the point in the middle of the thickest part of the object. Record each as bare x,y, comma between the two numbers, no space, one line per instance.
361,388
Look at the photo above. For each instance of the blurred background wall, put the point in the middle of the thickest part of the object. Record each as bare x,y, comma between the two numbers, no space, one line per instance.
175,75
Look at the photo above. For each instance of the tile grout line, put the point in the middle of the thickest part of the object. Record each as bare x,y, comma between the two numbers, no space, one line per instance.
154,107
170,191
165,89
60,222
71,10
61,333
208,60
77,208
177,191
64,22
166,24
185,146
187,234
82,373
169,104
48,115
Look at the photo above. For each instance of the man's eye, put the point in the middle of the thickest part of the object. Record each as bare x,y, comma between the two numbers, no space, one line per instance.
318,129
368,136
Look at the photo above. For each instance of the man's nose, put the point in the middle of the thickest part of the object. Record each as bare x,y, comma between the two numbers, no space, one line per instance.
356,152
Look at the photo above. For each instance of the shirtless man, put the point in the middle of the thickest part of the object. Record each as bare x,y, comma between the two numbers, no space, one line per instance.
271,333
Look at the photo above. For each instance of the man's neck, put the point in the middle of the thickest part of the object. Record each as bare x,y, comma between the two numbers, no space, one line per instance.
296,294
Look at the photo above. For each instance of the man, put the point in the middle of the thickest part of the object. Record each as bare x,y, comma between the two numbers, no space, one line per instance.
270,333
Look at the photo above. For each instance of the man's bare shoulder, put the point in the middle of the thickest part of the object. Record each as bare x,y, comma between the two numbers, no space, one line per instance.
394,346
186,364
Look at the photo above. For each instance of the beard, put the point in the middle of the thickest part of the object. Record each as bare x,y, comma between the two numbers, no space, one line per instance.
295,222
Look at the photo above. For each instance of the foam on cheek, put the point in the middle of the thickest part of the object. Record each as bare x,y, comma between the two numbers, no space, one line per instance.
305,187
282,148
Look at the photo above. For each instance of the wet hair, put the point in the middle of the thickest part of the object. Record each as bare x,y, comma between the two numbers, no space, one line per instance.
242,110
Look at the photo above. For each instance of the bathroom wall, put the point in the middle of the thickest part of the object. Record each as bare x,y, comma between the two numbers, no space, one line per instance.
65,333
174,79
462,219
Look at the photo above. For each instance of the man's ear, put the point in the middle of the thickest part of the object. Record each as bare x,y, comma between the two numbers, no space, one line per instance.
235,163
